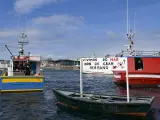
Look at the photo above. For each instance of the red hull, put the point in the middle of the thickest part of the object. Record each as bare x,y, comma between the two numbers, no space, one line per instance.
137,80
149,76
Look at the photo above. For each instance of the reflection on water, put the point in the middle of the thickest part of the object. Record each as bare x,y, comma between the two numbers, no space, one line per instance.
97,75
36,106
19,106
63,111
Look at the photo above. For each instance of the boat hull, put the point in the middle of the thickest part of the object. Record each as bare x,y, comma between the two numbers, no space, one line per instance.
88,107
137,79
21,83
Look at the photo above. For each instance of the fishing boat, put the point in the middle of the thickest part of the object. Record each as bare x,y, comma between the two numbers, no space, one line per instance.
103,104
23,73
143,67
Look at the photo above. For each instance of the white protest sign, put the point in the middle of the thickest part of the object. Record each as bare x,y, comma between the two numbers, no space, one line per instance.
104,65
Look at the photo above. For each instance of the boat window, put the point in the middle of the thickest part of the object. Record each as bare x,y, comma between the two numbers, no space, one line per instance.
138,63
21,68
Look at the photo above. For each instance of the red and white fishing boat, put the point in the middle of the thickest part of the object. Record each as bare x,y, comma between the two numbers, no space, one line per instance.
143,67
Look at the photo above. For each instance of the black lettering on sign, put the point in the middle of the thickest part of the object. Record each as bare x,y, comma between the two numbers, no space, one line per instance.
90,59
98,67
110,63
96,63
104,59
87,63
107,63
91,67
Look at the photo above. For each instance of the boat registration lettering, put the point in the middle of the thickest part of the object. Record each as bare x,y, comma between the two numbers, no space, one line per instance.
115,106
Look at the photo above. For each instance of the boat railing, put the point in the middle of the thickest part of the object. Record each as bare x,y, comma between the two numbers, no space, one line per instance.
139,53
23,73
19,73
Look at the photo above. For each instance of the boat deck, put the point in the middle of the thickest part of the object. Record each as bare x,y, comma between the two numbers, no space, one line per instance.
109,98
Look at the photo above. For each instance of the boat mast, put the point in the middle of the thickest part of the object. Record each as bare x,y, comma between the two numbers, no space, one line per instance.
130,37
127,80
22,42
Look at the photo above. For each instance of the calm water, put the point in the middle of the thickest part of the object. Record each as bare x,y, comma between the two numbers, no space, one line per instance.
42,106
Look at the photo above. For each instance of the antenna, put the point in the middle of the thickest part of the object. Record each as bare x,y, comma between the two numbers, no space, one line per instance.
18,21
130,34
127,16
129,24
26,24
134,23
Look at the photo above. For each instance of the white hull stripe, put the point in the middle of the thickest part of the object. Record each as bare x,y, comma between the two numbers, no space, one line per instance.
139,76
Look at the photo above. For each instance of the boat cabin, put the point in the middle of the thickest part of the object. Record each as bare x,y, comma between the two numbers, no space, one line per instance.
143,71
24,66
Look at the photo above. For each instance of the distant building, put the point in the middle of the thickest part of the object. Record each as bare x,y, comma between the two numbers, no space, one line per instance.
4,64
59,63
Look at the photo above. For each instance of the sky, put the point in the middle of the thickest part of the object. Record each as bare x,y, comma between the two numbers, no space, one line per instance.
70,29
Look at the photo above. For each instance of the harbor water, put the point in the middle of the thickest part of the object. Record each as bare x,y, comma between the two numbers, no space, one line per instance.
42,106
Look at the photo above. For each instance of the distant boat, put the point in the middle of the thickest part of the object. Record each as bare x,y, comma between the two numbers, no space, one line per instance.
3,64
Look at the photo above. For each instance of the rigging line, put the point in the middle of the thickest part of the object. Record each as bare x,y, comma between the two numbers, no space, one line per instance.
13,46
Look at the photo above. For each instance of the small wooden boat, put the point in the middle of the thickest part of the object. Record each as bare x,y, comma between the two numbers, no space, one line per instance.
103,104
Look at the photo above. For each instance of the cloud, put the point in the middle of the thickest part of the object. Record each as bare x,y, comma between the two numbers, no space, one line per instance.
111,34
62,21
26,6
7,33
